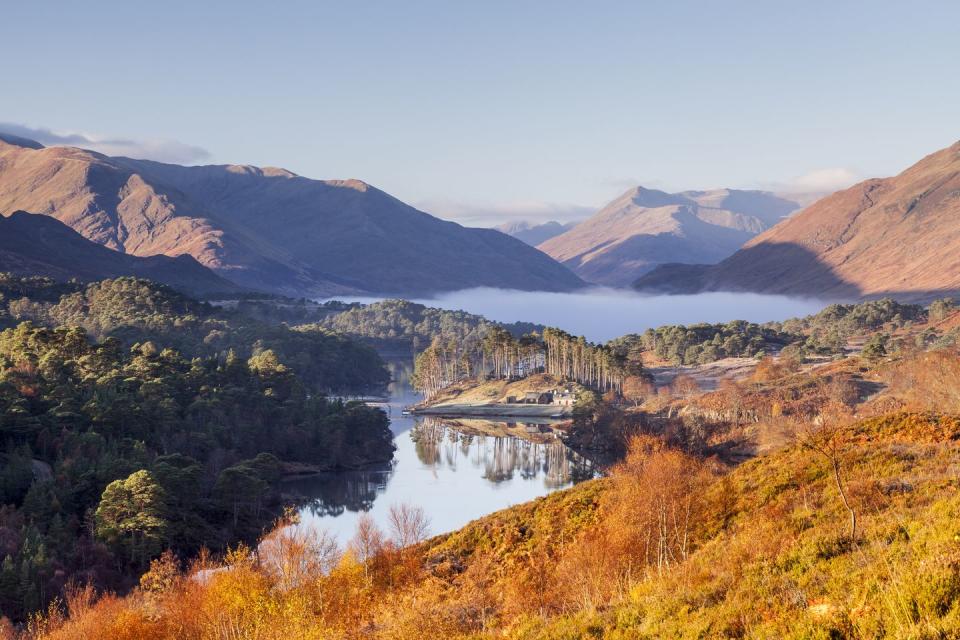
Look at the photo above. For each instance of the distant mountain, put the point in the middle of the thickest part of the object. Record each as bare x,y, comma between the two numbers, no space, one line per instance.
644,228
268,228
534,234
40,245
896,236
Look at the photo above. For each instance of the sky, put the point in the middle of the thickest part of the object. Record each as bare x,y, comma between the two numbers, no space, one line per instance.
488,111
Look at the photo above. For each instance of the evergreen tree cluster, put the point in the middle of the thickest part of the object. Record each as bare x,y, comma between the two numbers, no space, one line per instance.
703,343
404,326
134,310
115,446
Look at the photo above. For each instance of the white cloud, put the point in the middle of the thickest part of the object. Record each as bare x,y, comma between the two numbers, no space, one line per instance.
829,179
160,150
493,214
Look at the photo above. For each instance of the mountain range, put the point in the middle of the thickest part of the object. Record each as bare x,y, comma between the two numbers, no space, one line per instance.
266,228
40,245
895,236
644,228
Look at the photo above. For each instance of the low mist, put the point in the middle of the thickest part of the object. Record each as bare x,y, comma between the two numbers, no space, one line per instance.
602,314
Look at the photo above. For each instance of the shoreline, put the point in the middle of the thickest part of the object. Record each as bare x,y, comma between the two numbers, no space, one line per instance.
496,410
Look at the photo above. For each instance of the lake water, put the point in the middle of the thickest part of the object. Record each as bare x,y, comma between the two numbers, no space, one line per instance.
458,474
452,470
602,314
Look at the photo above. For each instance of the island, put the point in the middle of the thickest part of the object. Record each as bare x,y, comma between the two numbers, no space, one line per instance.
540,395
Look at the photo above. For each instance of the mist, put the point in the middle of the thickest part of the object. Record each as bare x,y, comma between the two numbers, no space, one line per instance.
601,314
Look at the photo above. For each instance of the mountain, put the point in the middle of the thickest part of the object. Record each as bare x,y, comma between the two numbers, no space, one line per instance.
644,228
534,234
267,228
895,236
40,245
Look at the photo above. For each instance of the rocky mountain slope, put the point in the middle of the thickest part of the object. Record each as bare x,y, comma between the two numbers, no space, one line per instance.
40,245
895,236
268,228
644,228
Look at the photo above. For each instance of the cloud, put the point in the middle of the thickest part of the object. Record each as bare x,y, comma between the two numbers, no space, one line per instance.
160,150
493,214
830,179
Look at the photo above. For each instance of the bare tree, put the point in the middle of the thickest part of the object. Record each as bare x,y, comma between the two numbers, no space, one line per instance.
827,435
367,541
295,555
409,525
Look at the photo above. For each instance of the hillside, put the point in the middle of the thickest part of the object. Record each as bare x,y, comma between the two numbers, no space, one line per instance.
895,236
39,245
668,547
836,518
644,228
268,228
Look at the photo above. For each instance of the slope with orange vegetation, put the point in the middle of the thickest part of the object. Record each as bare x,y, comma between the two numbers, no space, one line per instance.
669,546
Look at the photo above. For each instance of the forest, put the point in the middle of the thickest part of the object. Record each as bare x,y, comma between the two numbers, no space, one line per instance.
117,447
674,542
404,327
500,355
493,351
133,310
705,343
824,333
132,468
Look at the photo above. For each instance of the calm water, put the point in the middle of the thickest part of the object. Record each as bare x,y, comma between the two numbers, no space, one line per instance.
450,469
603,314
458,474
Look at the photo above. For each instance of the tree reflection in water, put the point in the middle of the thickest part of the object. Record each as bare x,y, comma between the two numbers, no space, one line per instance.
439,442
333,493
478,447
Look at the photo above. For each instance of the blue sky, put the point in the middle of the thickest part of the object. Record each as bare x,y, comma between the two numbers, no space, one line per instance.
486,110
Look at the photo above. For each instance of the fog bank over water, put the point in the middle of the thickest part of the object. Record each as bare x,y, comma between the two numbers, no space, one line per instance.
602,314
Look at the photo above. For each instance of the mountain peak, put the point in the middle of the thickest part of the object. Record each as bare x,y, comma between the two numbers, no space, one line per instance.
644,228
652,198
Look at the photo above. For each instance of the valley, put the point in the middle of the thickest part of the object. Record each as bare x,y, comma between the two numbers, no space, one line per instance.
479,321
193,434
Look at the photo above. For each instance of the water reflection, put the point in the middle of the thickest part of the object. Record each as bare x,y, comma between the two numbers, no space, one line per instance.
330,495
451,448
449,443
456,469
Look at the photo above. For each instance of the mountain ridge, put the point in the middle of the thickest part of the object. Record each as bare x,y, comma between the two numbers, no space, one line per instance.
643,228
268,228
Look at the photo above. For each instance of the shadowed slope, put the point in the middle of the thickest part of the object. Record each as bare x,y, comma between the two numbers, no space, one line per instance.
40,245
